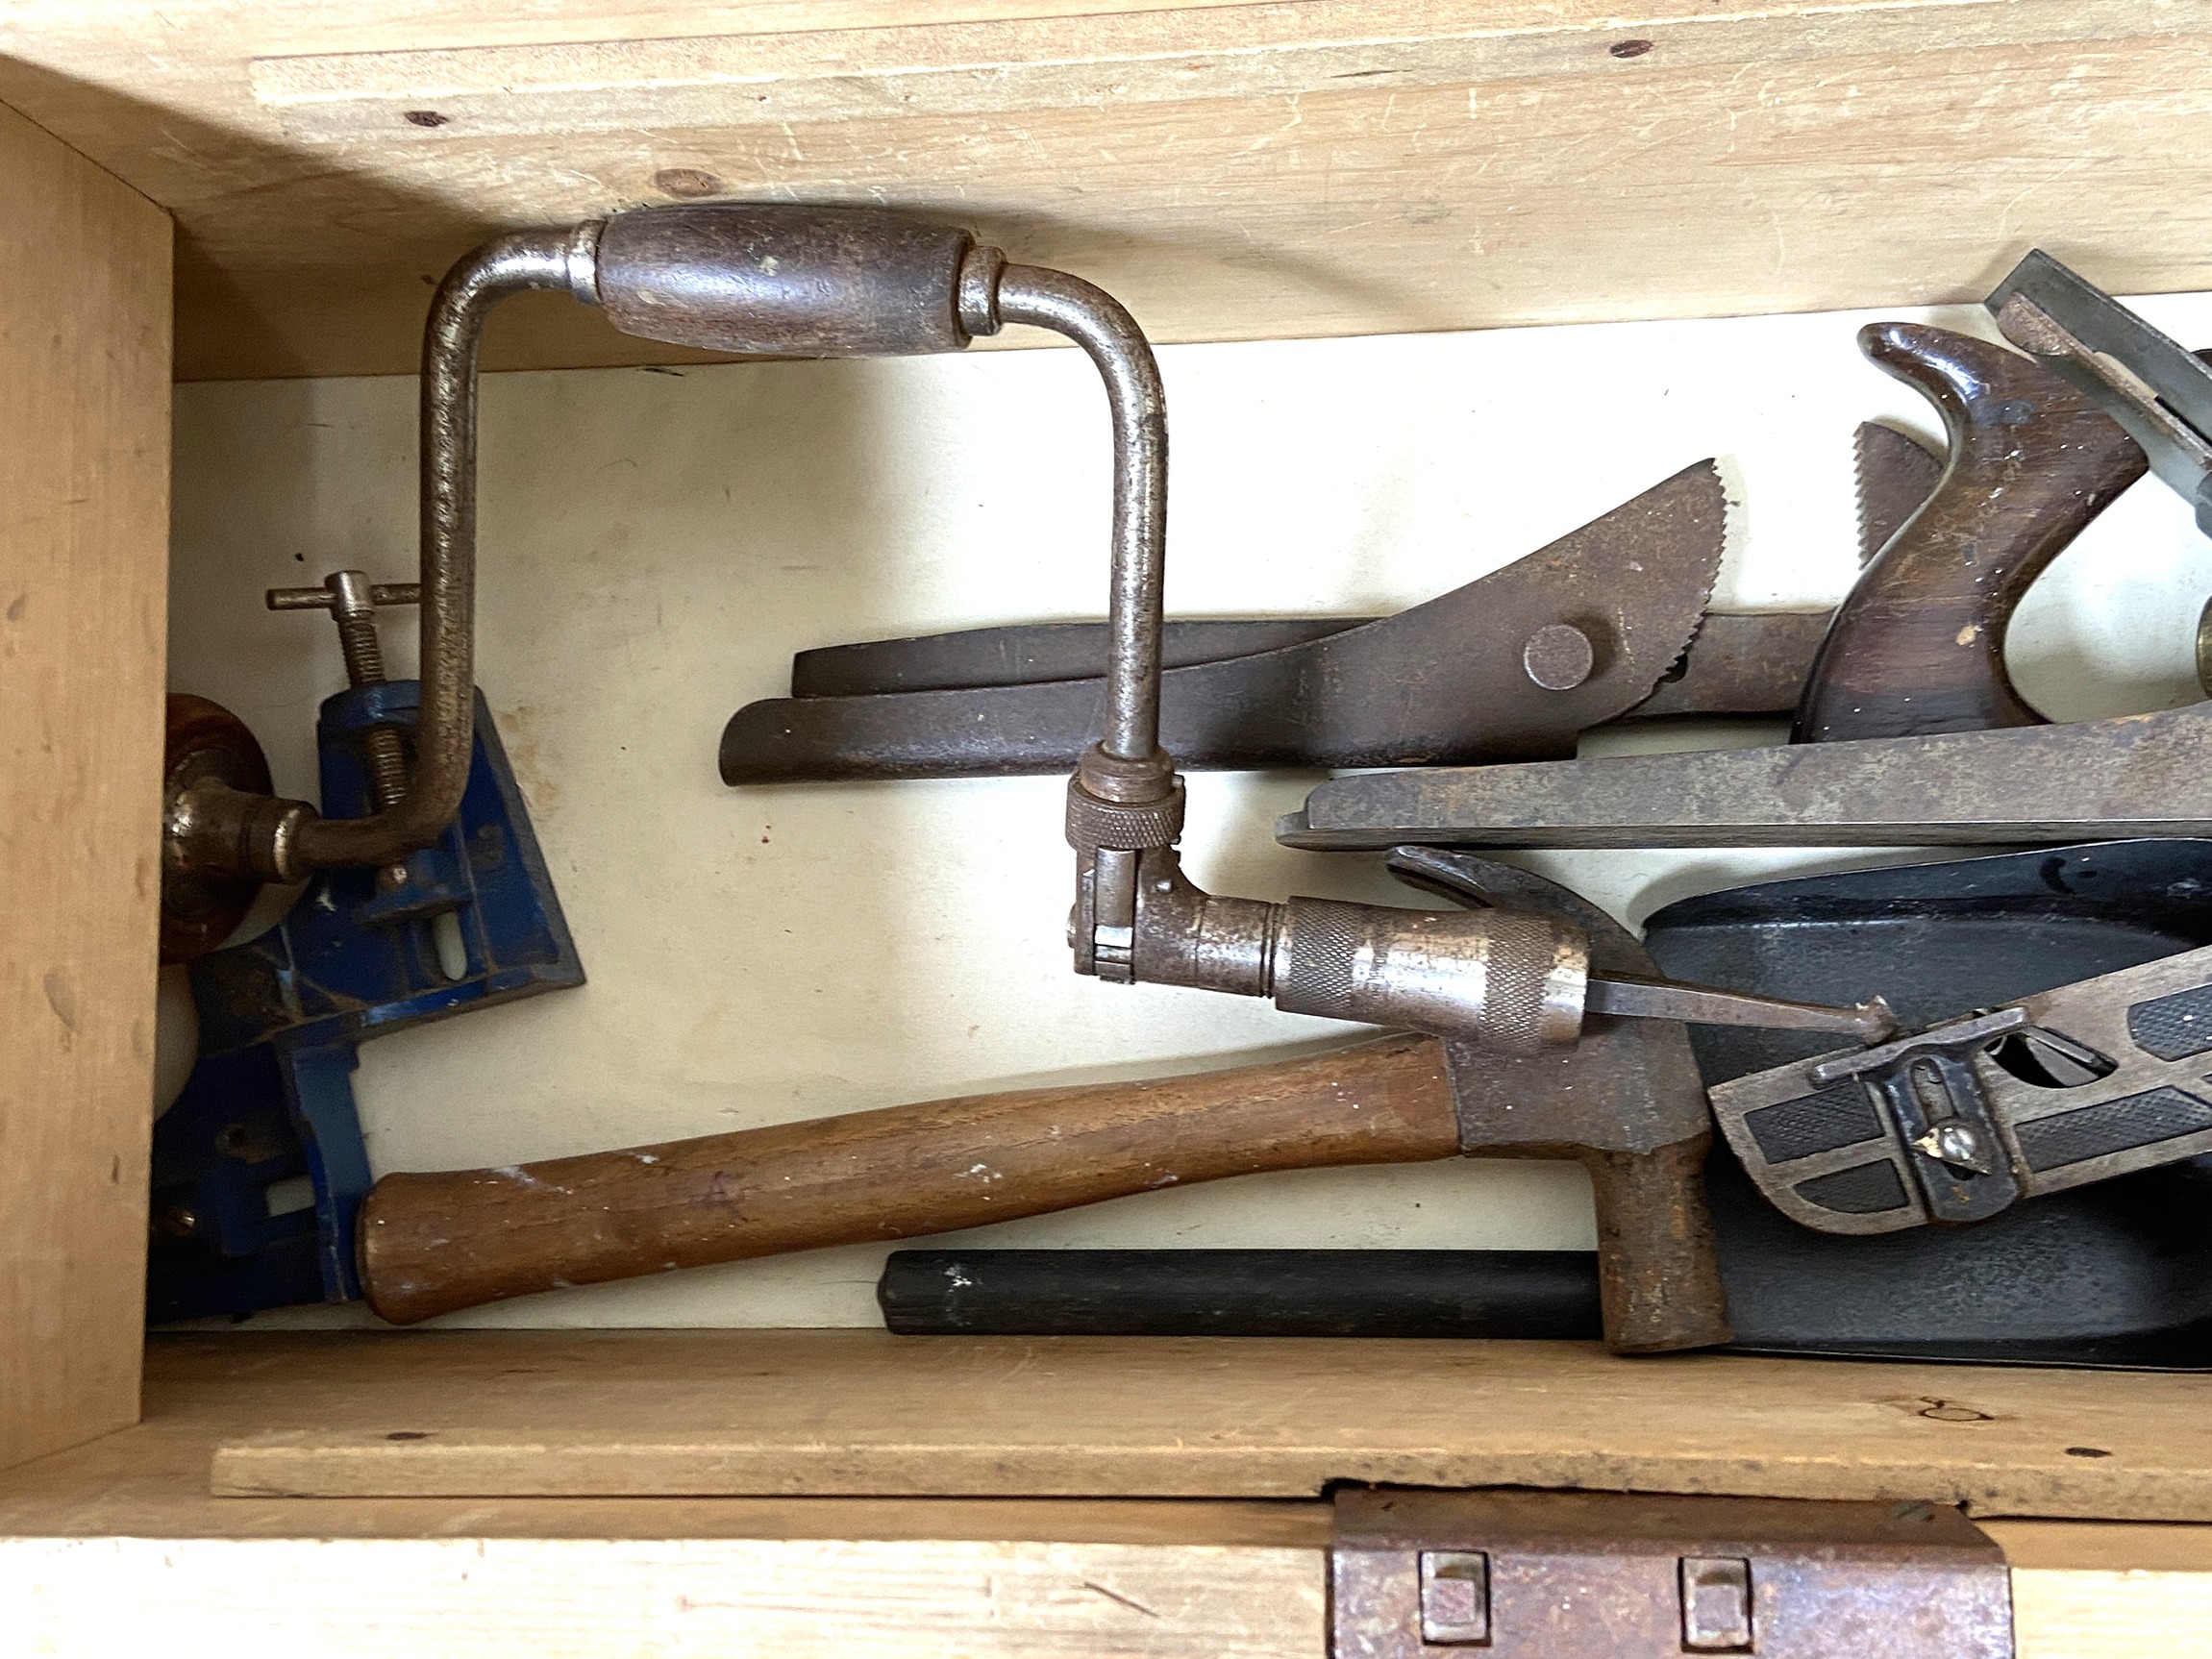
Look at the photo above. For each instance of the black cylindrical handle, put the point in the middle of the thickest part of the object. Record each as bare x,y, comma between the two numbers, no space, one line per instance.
782,279
1540,1295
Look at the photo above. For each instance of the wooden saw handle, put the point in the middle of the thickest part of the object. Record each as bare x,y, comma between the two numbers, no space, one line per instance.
430,1243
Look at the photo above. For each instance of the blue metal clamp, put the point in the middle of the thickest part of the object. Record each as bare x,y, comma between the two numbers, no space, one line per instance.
267,1118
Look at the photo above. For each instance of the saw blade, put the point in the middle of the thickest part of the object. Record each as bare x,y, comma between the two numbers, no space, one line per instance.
1577,634
1894,473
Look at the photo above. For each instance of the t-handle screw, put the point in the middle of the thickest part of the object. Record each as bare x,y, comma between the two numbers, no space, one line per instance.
352,600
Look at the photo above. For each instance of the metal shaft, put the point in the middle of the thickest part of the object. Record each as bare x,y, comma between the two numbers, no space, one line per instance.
1096,321
509,266
1870,1021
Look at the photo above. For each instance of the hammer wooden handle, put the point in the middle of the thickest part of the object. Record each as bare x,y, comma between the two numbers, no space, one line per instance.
430,1243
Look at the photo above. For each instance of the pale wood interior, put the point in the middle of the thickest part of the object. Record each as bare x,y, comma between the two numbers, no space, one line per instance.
84,576
119,1540
493,1414
1230,171
1375,169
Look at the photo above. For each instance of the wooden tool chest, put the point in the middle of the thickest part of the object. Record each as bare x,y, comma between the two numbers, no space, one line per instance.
202,193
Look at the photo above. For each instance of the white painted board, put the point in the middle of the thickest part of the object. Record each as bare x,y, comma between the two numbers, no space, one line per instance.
657,543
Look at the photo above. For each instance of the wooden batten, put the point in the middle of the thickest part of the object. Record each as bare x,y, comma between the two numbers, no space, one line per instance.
484,1414
119,1542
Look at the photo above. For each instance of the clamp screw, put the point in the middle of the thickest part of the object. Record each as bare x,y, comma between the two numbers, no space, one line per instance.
352,600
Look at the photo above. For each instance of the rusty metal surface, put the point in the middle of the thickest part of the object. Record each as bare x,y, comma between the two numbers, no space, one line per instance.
777,277
2101,779
204,742
1741,662
1129,723
1030,654
2100,1078
1518,1574
1405,690
1748,662
1756,663
1738,663
1918,646
2142,774
1627,1101
1891,474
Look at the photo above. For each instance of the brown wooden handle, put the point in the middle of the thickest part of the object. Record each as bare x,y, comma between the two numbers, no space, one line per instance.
428,1244
782,279
1919,645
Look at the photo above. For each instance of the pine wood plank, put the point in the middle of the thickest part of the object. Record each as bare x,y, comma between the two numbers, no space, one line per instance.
84,545
2111,1615
1230,171
151,1481
485,1598
118,1542
1037,66
2103,1545
99,1541
495,1596
858,1412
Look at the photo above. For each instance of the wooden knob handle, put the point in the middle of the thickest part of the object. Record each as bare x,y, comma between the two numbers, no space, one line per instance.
430,1243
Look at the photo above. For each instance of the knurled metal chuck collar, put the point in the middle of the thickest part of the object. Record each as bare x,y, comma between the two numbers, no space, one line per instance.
1510,981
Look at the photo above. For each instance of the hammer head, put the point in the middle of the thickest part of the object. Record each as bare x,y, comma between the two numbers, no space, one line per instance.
1626,1101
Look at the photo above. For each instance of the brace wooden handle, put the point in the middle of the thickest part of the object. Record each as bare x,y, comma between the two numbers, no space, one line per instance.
430,1243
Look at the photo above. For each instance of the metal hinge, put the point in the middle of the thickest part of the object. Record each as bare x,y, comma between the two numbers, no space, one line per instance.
1519,1574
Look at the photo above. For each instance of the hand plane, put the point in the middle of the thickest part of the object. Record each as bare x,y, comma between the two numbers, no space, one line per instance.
1910,732
2116,1273
1960,1122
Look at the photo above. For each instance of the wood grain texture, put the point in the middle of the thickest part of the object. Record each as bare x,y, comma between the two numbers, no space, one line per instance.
1037,65
1228,171
84,566
147,1539
1918,644
858,1412
2103,1545
485,1598
2108,1614
430,1243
